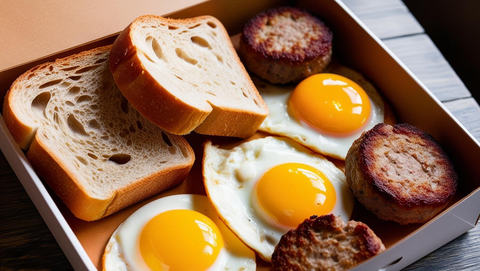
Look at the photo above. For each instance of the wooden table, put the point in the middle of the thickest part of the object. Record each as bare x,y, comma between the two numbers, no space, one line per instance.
26,242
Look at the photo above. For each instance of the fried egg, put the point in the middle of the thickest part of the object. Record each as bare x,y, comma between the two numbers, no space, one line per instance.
265,187
325,112
180,232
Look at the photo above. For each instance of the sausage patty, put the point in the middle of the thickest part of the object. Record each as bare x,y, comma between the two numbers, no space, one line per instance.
400,173
285,44
326,243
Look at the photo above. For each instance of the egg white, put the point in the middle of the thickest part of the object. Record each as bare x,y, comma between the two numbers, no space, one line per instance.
280,122
230,177
123,253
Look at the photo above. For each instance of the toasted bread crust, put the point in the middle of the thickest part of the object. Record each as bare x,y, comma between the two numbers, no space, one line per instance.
400,173
326,243
285,44
162,106
57,171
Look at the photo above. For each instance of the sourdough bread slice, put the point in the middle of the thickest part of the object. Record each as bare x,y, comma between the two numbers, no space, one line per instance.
185,75
88,143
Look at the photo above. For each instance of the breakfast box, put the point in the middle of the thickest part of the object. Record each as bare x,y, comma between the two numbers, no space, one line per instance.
58,36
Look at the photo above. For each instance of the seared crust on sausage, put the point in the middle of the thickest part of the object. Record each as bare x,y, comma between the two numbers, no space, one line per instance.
285,44
326,243
400,173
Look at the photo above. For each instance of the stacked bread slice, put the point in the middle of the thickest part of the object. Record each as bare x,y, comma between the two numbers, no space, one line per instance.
87,142
101,150
184,75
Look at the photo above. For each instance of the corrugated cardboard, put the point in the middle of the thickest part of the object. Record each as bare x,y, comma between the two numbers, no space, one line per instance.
51,29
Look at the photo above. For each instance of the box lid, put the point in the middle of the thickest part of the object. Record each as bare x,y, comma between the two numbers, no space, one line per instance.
39,33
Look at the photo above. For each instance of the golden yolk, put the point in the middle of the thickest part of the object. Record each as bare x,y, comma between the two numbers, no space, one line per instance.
180,240
290,193
330,103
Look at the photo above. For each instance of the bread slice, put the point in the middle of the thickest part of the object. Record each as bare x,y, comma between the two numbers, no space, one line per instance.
185,75
94,150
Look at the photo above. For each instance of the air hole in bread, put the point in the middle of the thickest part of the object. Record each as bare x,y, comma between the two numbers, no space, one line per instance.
69,103
172,150
172,27
75,78
76,126
82,160
50,83
124,105
216,83
101,60
181,54
132,129
219,58
86,69
157,49
56,118
94,107
180,78
212,24
185,152
195,26
129,142
139,125
244,94
73,91
93,124
40,103
201,42
166,139
233,84
65,84
70,68
93,156
84,98
211,93
50,68
147,57
120,158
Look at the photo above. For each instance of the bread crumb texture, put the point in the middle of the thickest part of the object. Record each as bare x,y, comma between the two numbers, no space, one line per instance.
89,130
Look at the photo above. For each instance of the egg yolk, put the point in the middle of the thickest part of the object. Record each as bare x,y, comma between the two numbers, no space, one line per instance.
330,103
180,240
290,193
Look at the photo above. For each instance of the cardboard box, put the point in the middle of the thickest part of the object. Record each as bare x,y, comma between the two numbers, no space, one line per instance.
55,34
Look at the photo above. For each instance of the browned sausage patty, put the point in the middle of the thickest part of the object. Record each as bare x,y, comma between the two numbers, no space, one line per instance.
326,243
285,44
400,173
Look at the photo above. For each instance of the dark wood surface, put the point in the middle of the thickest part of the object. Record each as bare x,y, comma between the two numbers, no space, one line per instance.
27,244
